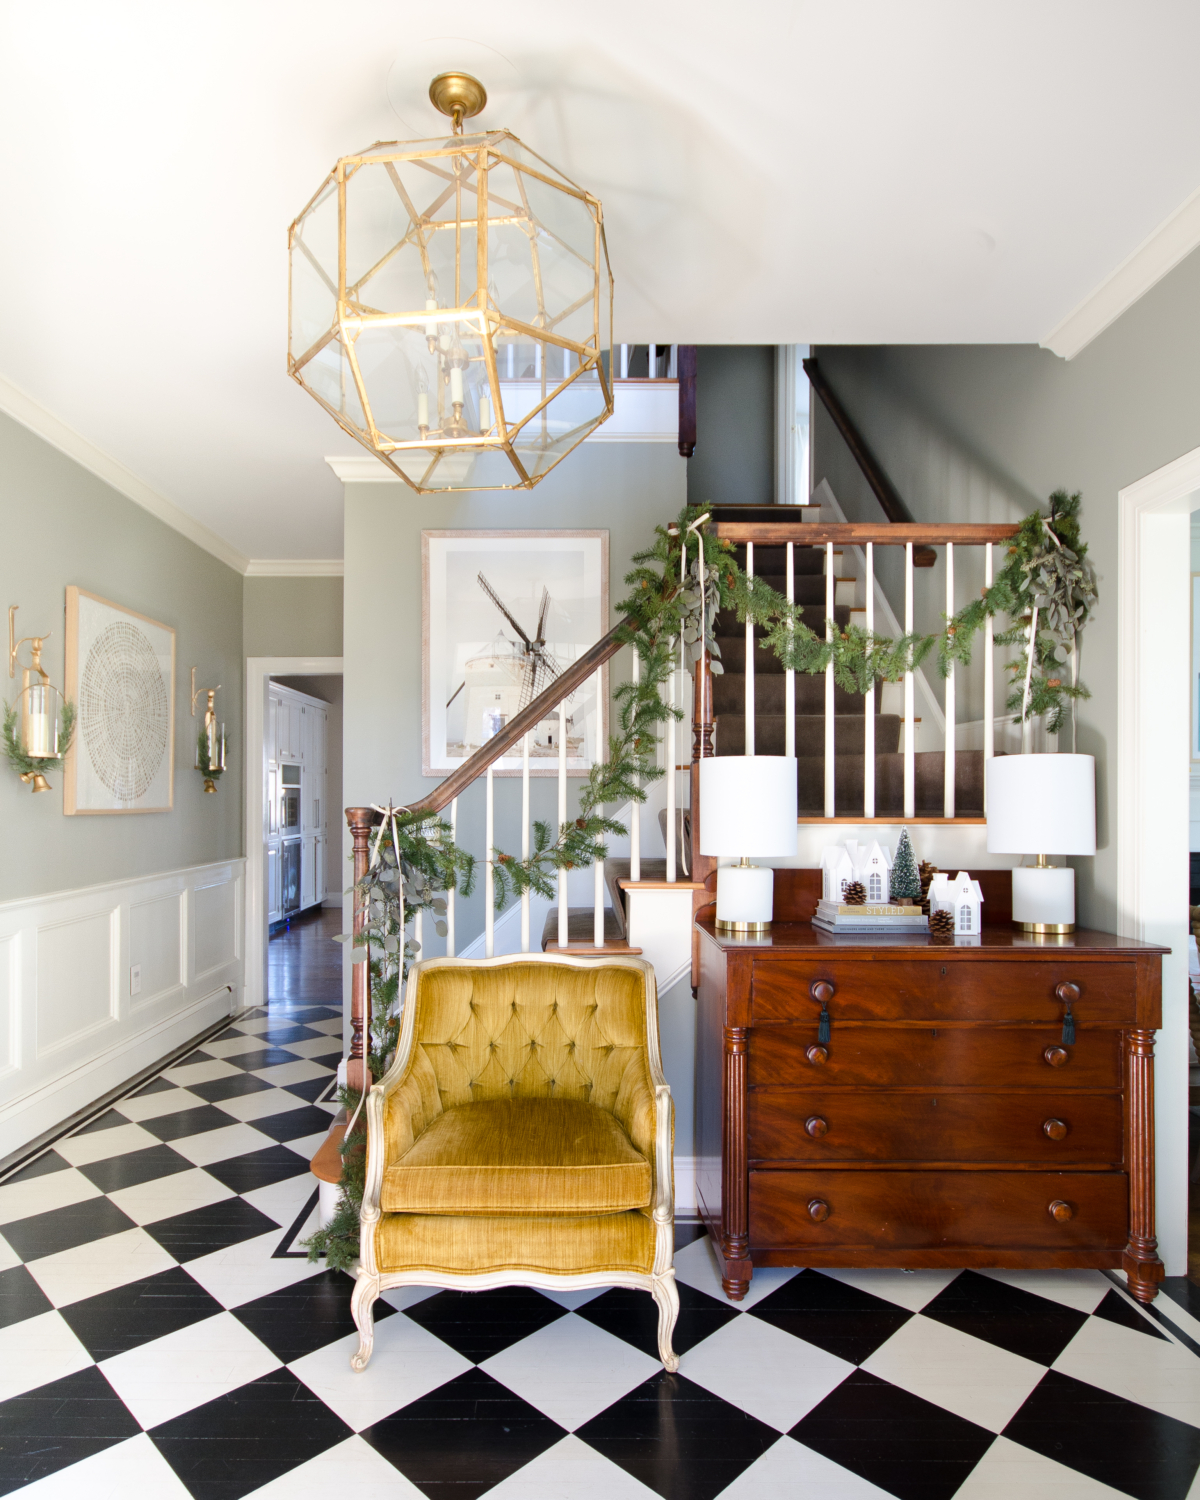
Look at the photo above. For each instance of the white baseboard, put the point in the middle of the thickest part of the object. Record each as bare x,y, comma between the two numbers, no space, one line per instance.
685,1187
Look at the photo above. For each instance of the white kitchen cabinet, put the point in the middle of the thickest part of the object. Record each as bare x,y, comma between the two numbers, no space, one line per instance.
274,898
295,735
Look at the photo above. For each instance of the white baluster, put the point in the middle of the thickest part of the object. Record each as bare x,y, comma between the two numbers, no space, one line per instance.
451,893
869,699
635,811
789,676
419,934
951,706
989,680
598,866
673,363
748,747
537,361
489,873
910,749
624,361
830,700
525,838
562,818
512,352
652,362
671,776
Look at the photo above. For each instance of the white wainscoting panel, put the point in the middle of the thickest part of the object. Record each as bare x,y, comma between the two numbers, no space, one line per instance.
71,1028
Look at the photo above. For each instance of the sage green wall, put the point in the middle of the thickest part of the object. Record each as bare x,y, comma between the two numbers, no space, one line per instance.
292,616
734,461
61,525
983,433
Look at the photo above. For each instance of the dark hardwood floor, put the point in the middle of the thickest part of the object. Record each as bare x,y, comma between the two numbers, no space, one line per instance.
304,964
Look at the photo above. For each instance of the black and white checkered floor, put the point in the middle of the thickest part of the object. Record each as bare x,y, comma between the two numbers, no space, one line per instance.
160,1336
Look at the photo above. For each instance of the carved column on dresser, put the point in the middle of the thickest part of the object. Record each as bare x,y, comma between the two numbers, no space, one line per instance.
1142,1265
736,1241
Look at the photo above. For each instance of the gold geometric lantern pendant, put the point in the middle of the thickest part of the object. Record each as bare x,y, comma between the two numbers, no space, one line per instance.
450,305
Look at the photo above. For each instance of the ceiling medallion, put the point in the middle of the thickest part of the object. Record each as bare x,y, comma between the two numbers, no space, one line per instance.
450,305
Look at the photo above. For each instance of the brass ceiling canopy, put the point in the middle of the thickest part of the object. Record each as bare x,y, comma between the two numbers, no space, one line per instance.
450,304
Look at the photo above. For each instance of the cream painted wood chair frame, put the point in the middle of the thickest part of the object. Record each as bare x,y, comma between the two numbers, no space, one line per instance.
660,1282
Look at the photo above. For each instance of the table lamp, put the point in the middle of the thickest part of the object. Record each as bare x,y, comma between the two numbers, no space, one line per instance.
1042,804
747,807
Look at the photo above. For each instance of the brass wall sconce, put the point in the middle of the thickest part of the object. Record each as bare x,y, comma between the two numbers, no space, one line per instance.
38,726
210,742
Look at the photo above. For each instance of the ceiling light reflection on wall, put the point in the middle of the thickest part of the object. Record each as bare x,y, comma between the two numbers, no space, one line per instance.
450,305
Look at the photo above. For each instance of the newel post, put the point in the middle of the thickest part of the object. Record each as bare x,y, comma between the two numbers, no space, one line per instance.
358,1075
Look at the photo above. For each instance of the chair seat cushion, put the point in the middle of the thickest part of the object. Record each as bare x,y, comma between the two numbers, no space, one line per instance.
519,1156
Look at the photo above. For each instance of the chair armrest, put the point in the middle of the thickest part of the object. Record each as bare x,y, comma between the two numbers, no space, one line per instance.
664,1155
373,1107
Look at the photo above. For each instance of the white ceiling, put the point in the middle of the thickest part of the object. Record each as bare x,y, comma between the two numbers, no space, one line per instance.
771,171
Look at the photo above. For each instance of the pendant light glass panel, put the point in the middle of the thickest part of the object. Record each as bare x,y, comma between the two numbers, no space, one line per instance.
451,307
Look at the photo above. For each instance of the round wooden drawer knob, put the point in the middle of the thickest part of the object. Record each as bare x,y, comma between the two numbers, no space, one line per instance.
821,991
1061,1211
1067,993
816,1126
1057,1057
818,1210
1055,1129
817,1056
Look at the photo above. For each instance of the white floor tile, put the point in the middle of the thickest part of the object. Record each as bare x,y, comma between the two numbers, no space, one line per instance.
254,1026
183,1370
1153,1372
352,1468
697,1265
573,1300
314,1046
154,1106
790,1471
911,1289
407,1363
200,1072
408,1296
219,1145
333,1026
571,1370
976,1380
166,1196
90,1269
307,1146
36,1351
572,1470
132,1468
232,1046
40,1195
770,1374
246,1271
293,1072
100,1145
282,1201
1007,1470
1183,1321
251,1107
1082,1290
8,1256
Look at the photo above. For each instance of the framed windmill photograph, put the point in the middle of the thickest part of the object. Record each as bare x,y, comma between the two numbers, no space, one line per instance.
503,613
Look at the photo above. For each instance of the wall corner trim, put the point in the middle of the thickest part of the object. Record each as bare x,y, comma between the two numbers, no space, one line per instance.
295,567
1172,241
30,413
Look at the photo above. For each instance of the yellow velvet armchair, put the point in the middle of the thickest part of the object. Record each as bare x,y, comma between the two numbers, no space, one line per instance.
522,1136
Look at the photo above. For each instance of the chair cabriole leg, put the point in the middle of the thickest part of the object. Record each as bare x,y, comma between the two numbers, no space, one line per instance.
362,1310
667,1297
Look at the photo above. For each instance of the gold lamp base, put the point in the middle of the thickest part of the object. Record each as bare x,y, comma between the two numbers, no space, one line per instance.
458,95
744,929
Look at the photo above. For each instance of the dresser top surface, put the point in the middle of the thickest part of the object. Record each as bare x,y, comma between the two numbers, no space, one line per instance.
787,939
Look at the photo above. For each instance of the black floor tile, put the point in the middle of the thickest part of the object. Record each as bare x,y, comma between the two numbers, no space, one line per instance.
155,1086
1183,1292
261,1057
1115,1309
633,1316
687,1231
134,1314
328,1059
836,1317
57,1425
311,1089
20,1297
214,1227
242,1174
1021,1322
229,1033
49,1161
109,1120
187,1122
64,1228
241,1441
198,1056
480,1324
677,1438
462,1439
298,1319
292,1124
908,1447
232,1087
1114,1441
284,1036
135,1166
305,1015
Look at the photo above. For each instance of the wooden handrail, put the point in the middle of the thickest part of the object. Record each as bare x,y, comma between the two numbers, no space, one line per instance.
858,533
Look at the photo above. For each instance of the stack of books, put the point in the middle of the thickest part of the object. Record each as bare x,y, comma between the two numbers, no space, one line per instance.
835,917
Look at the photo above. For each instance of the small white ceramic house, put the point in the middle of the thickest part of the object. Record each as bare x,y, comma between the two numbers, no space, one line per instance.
875,872
837,872
962,896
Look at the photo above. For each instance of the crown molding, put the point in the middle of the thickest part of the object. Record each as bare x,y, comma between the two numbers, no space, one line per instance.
362,468
30,413
295,567
1174,239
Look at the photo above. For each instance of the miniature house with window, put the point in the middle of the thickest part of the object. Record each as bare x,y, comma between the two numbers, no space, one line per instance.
837,871
875,872
962,896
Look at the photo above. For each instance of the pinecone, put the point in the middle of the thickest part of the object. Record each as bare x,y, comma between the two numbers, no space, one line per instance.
926,872
855,894
941,924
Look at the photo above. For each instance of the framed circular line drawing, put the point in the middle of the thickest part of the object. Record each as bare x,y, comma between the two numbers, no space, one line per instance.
120,674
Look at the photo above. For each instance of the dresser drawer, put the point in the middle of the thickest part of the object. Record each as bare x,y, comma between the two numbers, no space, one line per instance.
1050,1130
994,990
938,1210
882,1057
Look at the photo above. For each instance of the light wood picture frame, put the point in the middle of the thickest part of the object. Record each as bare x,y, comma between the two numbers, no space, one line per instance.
120,675
475,646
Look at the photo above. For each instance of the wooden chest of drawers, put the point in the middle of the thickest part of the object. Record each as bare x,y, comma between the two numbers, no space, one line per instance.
947,1118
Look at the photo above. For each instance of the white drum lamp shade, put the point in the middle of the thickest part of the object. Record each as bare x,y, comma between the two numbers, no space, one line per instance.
747,808
1042,804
